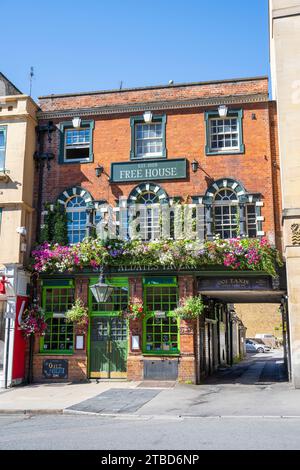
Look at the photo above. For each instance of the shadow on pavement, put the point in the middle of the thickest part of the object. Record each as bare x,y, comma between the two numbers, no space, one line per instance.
256,369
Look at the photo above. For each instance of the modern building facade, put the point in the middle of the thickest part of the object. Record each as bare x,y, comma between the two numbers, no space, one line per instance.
17,146
213,144
285,69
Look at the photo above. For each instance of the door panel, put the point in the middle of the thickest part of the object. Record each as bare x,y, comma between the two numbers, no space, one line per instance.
99,347
108,347
118,347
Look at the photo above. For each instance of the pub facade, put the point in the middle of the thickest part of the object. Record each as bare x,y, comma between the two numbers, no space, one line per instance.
143,154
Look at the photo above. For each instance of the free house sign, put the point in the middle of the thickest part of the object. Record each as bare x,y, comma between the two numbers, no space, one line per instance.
171,169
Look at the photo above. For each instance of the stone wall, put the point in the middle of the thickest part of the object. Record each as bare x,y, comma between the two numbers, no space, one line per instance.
260,318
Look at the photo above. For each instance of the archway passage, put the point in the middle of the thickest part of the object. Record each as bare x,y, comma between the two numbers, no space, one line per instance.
249,344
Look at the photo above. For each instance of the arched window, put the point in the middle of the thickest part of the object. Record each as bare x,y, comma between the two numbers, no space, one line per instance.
147,197
150,224
231,211
225,213
75,201
76,213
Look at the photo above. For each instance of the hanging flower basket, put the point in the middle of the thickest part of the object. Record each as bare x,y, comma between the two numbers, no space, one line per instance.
33,322
190,309
134,311
78,314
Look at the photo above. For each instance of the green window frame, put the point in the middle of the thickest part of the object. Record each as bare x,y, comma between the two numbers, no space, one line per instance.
134,121
3,133
232,113
161,335
64,127
56,300
117,302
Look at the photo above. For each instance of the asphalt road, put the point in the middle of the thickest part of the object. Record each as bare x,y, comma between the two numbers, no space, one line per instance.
99,433
249,406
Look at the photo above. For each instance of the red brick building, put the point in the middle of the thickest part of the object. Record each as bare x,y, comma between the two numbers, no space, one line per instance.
211,143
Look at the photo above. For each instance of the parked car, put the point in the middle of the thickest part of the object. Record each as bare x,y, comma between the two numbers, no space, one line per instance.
257,340
267,338
255,347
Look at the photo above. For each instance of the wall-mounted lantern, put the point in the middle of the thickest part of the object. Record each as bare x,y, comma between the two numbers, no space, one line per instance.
76,122
195,166
99,170
147,116
222,110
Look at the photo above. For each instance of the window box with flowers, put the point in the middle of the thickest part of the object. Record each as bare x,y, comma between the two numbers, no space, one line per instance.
238,254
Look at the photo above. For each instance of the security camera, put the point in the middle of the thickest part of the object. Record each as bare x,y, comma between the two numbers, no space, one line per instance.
22,231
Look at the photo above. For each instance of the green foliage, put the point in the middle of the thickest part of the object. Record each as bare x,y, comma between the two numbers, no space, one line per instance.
78,314
60,226
55,229
233,254
190,309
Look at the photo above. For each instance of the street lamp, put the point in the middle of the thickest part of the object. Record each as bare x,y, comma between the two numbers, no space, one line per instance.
101,291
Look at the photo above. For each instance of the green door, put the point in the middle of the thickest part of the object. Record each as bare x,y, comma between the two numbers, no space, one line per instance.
108,347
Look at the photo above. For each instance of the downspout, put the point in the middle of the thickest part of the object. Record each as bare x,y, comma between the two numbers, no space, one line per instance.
40,158
7,353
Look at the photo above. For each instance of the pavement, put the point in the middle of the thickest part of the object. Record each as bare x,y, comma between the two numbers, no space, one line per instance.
248,406
256,387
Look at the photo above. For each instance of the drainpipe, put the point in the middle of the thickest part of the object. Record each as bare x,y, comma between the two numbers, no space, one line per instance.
40,158
7,353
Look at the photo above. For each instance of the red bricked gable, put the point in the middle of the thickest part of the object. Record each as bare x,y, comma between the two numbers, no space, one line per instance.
155,94
185,137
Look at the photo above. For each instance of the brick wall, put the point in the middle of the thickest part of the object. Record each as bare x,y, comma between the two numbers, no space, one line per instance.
185,137
155,94
77,367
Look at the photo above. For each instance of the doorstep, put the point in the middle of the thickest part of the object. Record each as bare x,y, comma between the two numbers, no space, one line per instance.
165,384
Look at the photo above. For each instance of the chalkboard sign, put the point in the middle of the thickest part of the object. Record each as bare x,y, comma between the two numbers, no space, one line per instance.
55,369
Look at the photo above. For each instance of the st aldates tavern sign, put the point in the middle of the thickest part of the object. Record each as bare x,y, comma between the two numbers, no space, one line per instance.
153,170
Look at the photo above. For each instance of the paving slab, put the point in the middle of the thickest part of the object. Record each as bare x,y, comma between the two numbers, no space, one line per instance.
54,397
116,401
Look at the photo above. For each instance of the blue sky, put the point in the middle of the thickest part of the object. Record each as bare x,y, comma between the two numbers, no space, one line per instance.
94,44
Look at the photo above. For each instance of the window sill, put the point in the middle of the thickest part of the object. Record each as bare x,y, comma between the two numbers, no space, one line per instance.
72,162
161,354
157,157
51,353
230,153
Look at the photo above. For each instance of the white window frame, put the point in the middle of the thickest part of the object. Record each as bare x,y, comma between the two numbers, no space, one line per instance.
79,145
238,132
221,203
251,220
72,210
150,154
